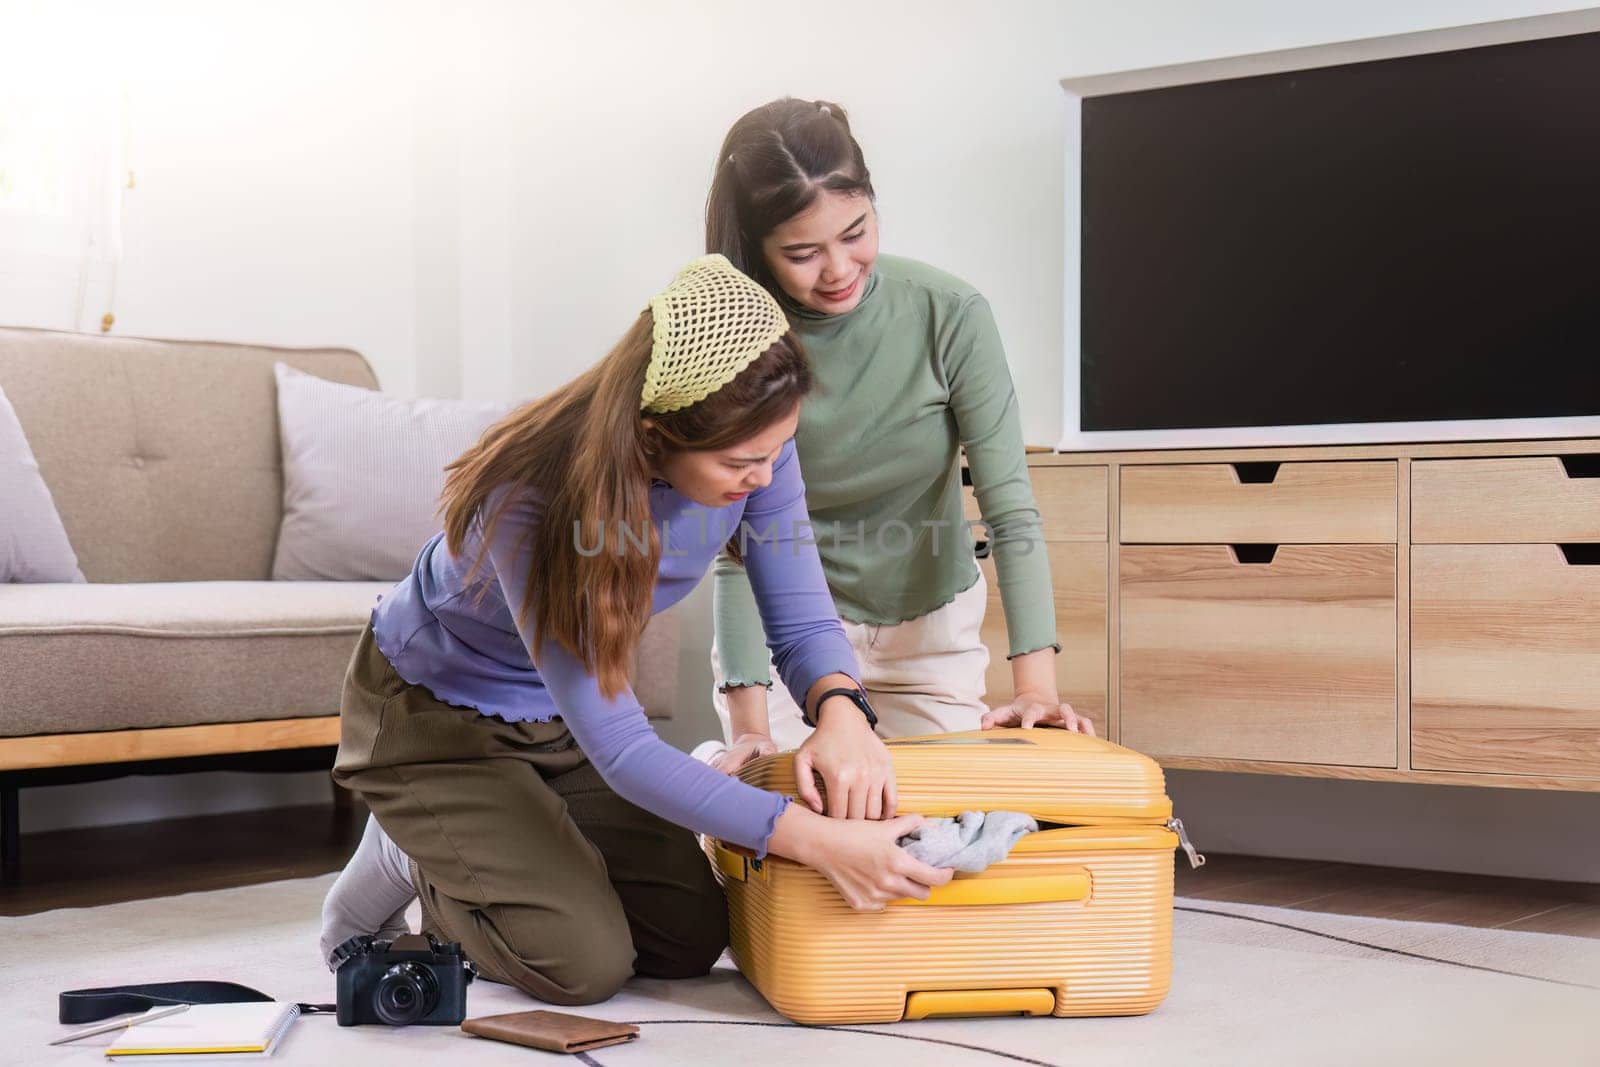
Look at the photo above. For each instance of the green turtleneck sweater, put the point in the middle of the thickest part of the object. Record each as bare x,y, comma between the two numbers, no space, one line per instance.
913,373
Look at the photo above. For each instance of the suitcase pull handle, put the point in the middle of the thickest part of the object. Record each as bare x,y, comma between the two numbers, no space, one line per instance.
1072,883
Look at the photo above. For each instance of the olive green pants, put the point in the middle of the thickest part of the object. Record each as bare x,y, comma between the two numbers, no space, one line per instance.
519,850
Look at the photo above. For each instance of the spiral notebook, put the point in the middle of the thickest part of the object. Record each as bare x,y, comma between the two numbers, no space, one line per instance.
214,1030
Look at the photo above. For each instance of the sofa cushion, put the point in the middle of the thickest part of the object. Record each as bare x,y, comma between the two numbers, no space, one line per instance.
33,546
79,658
162,456
362,474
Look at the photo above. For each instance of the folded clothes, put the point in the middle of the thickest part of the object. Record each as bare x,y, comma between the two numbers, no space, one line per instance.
970,842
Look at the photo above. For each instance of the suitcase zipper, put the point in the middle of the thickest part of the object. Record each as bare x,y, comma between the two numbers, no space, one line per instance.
1195,859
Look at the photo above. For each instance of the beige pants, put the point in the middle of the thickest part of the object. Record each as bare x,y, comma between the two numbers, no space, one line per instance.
923,676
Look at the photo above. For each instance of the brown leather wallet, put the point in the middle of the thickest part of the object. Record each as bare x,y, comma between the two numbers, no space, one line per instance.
552,1031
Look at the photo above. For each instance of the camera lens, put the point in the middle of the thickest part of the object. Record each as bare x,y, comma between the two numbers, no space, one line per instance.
406,992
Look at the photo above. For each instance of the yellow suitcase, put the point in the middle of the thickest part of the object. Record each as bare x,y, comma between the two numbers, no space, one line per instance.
1077,920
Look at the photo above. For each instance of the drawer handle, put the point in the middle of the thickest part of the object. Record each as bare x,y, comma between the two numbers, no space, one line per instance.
1261,473
1583,465
1253,553
1582,555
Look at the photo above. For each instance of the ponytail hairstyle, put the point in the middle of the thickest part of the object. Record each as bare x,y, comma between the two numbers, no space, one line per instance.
585,453
773,163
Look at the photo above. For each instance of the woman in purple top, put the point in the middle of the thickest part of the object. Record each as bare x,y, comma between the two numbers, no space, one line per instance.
514,782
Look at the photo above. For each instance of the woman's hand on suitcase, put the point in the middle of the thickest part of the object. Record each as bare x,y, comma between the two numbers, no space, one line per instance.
1028,711
855,768
745,748
862,859
871,870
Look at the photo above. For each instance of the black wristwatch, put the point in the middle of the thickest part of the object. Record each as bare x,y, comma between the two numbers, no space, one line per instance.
856,695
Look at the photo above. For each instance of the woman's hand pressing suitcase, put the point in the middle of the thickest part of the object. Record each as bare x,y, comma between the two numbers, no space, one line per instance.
856,771
861,858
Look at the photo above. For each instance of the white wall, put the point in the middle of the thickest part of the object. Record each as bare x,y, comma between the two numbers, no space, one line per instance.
480,196
273,166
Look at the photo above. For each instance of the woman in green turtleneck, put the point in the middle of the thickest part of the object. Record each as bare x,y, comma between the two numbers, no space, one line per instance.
909,369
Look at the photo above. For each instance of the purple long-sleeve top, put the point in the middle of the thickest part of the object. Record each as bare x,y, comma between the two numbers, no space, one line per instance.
469,650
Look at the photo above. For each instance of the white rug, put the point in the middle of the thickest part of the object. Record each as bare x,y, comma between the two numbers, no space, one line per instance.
1243,992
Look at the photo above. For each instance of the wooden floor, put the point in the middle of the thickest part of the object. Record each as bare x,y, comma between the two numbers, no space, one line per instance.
1396,893
103,865
108,864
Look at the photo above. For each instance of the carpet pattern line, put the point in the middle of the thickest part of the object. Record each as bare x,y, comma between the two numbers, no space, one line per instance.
1382,948
1012,1056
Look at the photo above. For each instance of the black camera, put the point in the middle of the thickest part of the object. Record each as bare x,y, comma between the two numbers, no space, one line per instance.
411,980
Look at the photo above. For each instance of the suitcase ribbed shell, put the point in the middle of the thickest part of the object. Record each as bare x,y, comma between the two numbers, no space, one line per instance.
1076,921
1054,775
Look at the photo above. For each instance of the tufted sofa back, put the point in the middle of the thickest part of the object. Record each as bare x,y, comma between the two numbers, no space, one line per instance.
162,456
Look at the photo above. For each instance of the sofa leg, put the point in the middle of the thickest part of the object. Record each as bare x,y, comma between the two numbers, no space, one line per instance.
10,832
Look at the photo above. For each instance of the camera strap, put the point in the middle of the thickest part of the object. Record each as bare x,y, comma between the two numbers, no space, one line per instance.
92,1005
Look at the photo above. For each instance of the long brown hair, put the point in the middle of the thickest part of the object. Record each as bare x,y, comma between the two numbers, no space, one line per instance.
585,452
773,163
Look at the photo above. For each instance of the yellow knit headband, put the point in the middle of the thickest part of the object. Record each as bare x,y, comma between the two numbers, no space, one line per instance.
711,323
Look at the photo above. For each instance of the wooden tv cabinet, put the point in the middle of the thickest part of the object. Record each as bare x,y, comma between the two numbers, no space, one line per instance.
1410,613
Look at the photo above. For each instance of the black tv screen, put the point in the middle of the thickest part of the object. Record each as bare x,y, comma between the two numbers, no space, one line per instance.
1397,240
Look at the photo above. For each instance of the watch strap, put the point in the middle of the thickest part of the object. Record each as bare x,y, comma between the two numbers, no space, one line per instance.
856,697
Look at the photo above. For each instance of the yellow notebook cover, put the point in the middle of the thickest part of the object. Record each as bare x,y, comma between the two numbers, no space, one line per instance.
245,1029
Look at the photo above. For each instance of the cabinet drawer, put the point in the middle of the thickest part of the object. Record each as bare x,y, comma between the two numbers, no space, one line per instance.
1513,500
1078,573
1072,502
1292,660
1505,660
1287,503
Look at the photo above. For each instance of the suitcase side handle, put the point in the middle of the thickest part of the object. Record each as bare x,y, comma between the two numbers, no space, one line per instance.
1067,884
737,864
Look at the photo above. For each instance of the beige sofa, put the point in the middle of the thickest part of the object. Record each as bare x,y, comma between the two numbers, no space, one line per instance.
179,653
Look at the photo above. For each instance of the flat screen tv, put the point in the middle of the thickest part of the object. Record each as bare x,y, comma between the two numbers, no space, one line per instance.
1400,248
